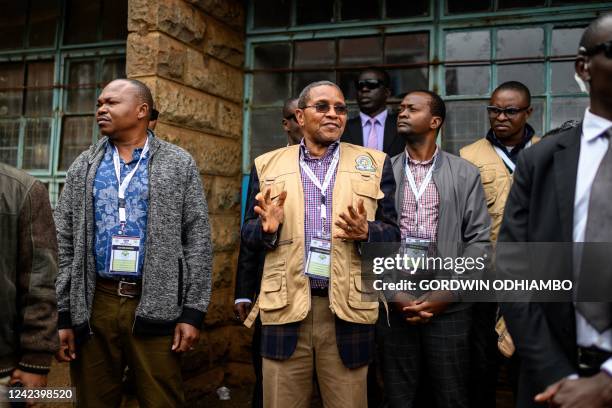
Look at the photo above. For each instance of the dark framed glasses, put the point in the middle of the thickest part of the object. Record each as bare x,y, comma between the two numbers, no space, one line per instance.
369,83
606,47
323,107
510,112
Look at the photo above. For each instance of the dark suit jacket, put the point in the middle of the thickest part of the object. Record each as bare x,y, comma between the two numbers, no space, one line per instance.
355,341
540,208
392,143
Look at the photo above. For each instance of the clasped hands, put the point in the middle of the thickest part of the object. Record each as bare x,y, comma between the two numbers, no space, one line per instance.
353,223
421,310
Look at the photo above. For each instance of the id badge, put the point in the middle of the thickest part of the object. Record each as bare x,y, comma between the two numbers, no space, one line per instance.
415,248
318,264
124,253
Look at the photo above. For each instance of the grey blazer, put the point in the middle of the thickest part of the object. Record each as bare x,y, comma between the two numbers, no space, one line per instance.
463,215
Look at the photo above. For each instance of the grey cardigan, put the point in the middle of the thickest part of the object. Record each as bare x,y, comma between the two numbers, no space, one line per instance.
462,215
176,281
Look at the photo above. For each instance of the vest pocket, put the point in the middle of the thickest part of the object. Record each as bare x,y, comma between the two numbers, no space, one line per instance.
488,184
361,295
273,294
370,193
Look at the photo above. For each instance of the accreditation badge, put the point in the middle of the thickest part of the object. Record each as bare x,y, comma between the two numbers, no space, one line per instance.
318,264
415,250
124,253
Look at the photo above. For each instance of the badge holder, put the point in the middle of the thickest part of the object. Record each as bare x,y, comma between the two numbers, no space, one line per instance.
124,250
318,264
415,248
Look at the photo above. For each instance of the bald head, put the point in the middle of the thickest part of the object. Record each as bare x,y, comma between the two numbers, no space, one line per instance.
139,89
600,30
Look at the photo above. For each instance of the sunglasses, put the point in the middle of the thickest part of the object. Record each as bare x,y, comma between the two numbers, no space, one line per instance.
325,107
606,47
369,83
510,112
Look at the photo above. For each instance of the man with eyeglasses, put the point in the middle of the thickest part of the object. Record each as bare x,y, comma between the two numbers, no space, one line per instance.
561,193
495,155
310,207
375,127
250,265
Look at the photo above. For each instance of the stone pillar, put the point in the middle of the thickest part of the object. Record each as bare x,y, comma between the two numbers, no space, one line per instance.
191,54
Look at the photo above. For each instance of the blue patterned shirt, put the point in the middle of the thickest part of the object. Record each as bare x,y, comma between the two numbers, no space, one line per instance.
106,205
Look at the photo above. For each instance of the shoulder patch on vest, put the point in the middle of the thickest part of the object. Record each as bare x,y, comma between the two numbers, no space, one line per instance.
365,163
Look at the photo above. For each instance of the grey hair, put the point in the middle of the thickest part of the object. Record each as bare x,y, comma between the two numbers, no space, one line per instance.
305,94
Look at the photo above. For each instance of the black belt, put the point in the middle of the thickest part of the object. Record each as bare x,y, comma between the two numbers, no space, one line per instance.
590,360
122,287
321,292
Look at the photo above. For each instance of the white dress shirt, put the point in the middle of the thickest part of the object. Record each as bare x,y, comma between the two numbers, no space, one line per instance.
593,147
366,126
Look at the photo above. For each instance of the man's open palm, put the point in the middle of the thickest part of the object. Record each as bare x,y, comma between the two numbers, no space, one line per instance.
271,213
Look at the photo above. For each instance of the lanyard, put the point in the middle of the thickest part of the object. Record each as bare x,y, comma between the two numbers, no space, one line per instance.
418,193
126,181
322,187
504,156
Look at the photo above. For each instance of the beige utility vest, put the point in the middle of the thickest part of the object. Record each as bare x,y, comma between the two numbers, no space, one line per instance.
495,177
285,289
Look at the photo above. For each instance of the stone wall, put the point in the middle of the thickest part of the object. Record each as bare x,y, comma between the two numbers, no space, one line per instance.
191,53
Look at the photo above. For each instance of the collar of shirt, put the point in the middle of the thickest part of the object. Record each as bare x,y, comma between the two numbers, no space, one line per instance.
514,150
135,153
306,154
422,163
594,125
381,117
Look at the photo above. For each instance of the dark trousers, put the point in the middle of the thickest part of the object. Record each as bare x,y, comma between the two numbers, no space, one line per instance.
485,357
257,366
434,355
98,370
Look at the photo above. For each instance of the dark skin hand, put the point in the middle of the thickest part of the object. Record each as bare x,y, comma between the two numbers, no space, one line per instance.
354,224
29,380
421,310
590,392
242,310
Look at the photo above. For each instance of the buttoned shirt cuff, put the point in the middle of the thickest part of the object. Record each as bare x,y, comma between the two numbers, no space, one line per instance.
573,376
242,300
607,367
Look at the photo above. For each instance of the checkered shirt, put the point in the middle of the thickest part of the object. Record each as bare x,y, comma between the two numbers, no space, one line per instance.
312,199
426,227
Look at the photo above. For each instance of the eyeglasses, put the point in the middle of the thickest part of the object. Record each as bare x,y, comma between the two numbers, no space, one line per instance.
510,112
325,107
606,47
291,117
369,83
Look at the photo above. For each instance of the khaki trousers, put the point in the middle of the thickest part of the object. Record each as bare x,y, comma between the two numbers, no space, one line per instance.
98,371
288,383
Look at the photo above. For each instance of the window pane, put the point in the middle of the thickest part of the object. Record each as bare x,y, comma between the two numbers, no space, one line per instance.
466,122
314,54
266,131
526,42
114,20
532,75
563,78
270,87
36,147
408,79
264,18
360,51
11,94
346,81
505,4
39,92
314,11
565,41
76,137
468,46
81,86
272,56
407,48
402,8
462,6
467,80
9,141
81,21
301,79
536,120
113,68
12,21
360,10
564,109
43,21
